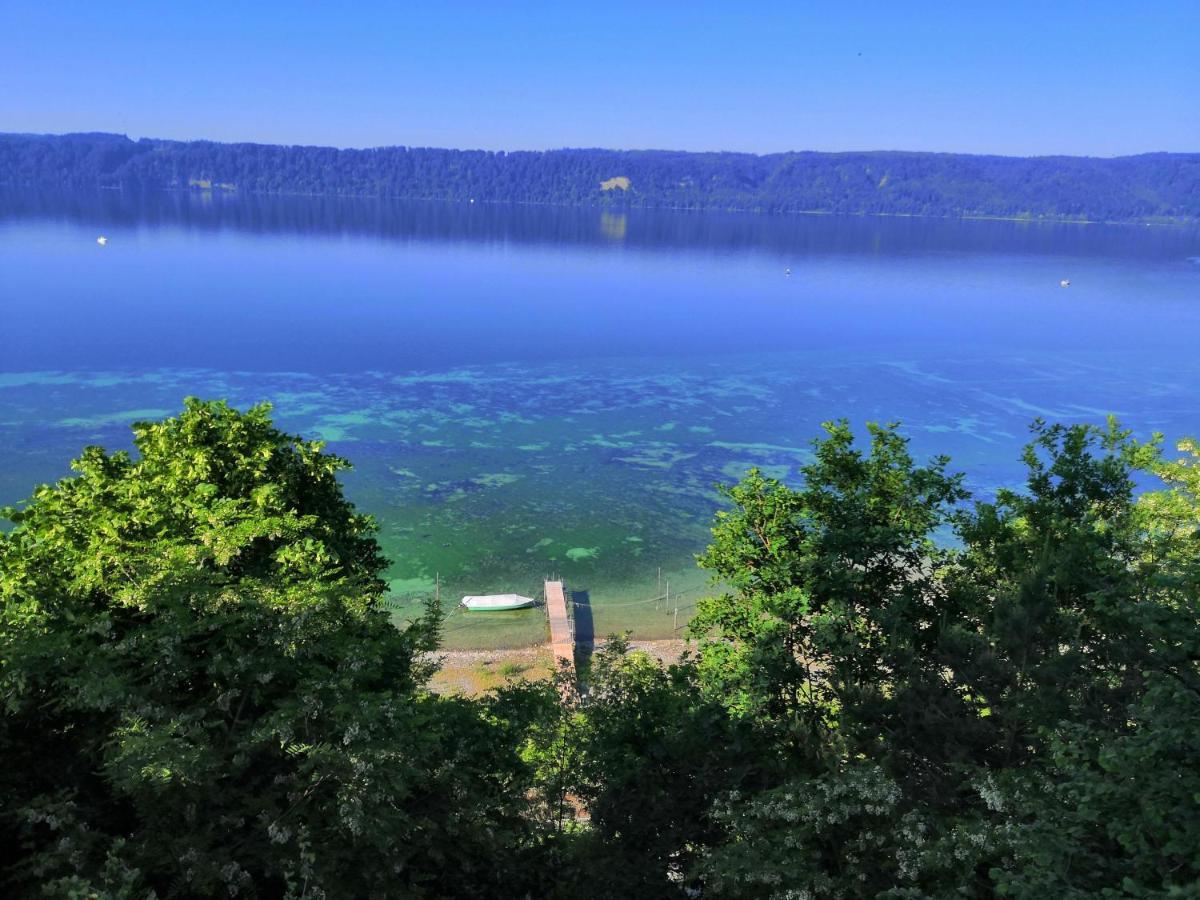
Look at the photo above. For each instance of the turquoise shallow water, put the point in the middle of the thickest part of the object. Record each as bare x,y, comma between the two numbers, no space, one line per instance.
521,402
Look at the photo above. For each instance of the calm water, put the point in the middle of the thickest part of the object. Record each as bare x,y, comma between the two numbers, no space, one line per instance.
527,391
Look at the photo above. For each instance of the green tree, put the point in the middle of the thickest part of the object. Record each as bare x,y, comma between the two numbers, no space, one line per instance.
1169,519
546,715
1069,610
656,754
835,626
1017,713
1110,806
202,694
1109,813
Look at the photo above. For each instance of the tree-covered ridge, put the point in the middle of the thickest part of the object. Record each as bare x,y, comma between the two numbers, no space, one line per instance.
1158,186
200,693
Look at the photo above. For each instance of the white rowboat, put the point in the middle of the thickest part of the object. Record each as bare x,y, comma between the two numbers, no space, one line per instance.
495,602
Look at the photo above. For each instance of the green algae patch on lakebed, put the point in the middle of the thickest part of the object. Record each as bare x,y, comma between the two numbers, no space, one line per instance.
578,554
418,585
498,479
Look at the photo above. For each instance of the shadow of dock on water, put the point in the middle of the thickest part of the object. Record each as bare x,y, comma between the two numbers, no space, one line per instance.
585,632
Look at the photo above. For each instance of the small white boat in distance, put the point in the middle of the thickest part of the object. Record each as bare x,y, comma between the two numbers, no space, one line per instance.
1066,282
496,602
102,240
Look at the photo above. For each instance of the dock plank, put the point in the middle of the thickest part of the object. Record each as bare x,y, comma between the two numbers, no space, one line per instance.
562,642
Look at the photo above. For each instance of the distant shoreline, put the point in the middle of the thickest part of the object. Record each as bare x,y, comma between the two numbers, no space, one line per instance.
700,210
197,207
1148,188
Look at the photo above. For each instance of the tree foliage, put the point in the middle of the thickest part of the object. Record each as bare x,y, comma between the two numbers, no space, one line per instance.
202,694
1016,714
895,692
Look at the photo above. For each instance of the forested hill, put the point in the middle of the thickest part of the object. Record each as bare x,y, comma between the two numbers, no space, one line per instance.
1159,186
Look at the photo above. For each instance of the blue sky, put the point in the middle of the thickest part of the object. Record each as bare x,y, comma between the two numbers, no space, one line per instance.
1098,78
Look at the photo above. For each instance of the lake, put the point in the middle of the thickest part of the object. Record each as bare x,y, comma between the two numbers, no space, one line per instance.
528,391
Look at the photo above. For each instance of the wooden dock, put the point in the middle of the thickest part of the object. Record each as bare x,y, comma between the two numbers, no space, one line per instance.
562,641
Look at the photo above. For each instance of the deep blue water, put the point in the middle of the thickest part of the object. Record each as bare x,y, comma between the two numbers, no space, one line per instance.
526,390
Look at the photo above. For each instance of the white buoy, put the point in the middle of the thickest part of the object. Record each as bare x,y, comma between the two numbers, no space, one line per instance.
102,240
788,271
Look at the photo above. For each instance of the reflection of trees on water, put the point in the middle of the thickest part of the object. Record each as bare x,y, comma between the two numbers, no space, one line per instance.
500,223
